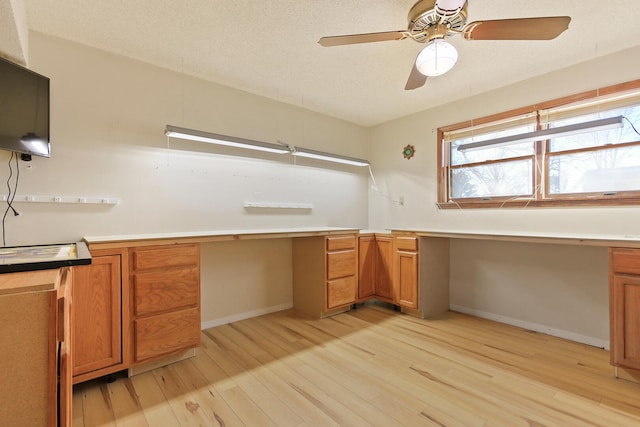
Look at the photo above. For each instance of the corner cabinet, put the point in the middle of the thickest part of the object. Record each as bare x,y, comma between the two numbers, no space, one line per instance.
624,310
384,268
407,270
97,320
325,274
375,268
367,267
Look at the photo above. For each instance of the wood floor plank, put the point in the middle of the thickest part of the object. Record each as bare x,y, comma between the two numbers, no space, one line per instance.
77,416
370,367
126,405
182,403
97,409
246,409
206,395
154,403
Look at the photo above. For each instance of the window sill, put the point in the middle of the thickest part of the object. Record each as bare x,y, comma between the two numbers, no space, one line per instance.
546,203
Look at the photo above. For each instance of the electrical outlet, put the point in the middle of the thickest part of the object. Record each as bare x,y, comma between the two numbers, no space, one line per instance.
57,199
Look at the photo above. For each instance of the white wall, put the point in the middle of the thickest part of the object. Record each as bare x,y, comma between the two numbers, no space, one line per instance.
245,278
108,115
416,179
556,289
499,294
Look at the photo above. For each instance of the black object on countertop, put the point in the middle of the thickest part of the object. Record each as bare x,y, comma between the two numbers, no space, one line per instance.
43,257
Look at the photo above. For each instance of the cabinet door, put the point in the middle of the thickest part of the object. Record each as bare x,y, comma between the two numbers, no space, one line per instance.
367,267
65,368
96,319
625,319
407,278
384,276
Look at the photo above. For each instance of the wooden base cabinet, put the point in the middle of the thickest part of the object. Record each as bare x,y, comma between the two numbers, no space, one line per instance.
97,319
375,268
624,300
35,387
325,274
421,274
165,300
406,271
367,267
133,305
384,268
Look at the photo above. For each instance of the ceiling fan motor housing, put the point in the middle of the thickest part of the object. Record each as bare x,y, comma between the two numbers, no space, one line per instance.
426,22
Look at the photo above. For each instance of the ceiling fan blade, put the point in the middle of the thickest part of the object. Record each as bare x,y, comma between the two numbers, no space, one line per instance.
416,79
362,38
546,28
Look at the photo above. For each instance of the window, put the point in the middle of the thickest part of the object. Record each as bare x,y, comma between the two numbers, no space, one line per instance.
594,167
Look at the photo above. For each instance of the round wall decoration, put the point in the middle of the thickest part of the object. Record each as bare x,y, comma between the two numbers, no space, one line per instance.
408,151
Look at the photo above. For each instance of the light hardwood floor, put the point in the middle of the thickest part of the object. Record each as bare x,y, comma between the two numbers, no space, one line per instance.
370,366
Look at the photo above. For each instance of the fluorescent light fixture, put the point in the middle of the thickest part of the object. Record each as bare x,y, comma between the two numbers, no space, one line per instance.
575,129
230,141
337,158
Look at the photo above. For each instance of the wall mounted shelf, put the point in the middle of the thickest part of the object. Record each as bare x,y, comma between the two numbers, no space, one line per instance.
81,200
278,205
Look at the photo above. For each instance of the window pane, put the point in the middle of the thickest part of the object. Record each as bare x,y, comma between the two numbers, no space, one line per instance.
495,180
600,138
606,170
491,153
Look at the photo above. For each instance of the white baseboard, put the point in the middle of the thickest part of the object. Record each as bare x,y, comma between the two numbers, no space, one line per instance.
533,326
247,315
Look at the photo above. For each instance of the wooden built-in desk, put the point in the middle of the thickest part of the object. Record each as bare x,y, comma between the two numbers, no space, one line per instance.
129,240
624,284
415,267
560,239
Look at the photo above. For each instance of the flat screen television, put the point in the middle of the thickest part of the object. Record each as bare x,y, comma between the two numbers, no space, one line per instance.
24,110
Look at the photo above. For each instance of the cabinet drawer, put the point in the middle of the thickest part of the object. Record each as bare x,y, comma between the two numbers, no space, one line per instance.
341,292
338,243
341,264
407,243
160,291
166,333
626,261
147,258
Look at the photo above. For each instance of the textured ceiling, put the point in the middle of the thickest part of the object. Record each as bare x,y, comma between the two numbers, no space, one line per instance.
269,47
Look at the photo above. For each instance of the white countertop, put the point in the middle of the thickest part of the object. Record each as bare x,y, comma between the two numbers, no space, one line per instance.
533,237
267,233
221,234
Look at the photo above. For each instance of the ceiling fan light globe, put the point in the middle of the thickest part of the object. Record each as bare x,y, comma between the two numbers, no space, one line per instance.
437,58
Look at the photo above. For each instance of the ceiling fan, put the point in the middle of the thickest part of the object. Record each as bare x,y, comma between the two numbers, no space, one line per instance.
432,21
